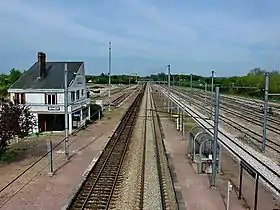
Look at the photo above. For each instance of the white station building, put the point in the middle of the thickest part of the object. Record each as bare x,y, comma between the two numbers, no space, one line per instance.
42,89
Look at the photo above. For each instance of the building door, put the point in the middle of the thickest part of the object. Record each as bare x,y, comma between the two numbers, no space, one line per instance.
42,123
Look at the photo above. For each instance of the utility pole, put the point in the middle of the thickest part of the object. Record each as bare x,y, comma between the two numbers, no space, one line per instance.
205,96
109,95
212,92
169,102
66,146
265,109
190,90
215,143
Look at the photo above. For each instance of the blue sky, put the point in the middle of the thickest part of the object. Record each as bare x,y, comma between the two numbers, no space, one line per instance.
194,36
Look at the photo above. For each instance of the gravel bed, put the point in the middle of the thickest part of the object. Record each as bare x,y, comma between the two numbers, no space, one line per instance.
128,193
245,135
170,193
152,196
127,188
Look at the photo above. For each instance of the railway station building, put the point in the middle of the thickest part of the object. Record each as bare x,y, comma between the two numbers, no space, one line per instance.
41,88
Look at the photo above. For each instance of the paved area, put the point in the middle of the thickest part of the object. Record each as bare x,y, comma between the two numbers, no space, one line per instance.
51,192
193,190
230,167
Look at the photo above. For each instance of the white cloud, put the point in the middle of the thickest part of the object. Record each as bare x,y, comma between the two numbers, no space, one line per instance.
146,29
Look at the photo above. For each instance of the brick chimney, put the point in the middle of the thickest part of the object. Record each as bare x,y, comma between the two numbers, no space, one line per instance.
41,64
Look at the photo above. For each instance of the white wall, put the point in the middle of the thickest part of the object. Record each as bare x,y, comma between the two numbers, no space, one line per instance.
78,83
35,98
60,98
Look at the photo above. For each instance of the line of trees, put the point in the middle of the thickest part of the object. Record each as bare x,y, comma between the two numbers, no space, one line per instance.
115,79
252,84
6,80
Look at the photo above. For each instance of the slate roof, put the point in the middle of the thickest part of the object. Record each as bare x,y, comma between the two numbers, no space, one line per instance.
53,78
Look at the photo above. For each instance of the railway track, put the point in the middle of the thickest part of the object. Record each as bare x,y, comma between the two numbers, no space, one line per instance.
267,169
244,112
169,199
240,111
165,196
120,99
160,157
97,190
253,109
251,134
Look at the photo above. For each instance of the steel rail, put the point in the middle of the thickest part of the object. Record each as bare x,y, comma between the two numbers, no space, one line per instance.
112,142
158,159
245,128
241,148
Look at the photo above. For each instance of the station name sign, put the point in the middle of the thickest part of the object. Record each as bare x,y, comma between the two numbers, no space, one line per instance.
53,108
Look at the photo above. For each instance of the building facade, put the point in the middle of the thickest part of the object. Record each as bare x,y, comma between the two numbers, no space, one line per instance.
41,88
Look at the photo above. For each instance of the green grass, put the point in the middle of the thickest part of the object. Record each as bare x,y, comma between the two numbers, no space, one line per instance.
9,155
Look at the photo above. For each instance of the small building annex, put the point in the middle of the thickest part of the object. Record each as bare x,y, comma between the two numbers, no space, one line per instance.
42,89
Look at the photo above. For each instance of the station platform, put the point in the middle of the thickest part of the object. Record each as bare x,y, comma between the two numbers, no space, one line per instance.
46,192
192,189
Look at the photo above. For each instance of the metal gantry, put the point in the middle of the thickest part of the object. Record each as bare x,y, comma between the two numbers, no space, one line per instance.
216,130
265,108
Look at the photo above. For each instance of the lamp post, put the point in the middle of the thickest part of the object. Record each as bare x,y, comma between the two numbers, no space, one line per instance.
66,111
109,95
169,100
212,93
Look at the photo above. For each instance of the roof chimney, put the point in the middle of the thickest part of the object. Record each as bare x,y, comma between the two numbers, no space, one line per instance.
41,64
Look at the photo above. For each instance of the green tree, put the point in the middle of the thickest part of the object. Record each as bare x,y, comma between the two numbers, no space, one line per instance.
14,75
15,120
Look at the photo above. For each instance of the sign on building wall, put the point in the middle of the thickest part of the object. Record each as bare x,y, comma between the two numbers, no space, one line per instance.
53,108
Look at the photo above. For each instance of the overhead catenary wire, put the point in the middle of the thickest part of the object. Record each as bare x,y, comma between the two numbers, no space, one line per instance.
255,158
225,119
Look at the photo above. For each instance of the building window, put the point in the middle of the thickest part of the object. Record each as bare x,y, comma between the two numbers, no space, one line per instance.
82,92
19,98
73,96
77,94
51,98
